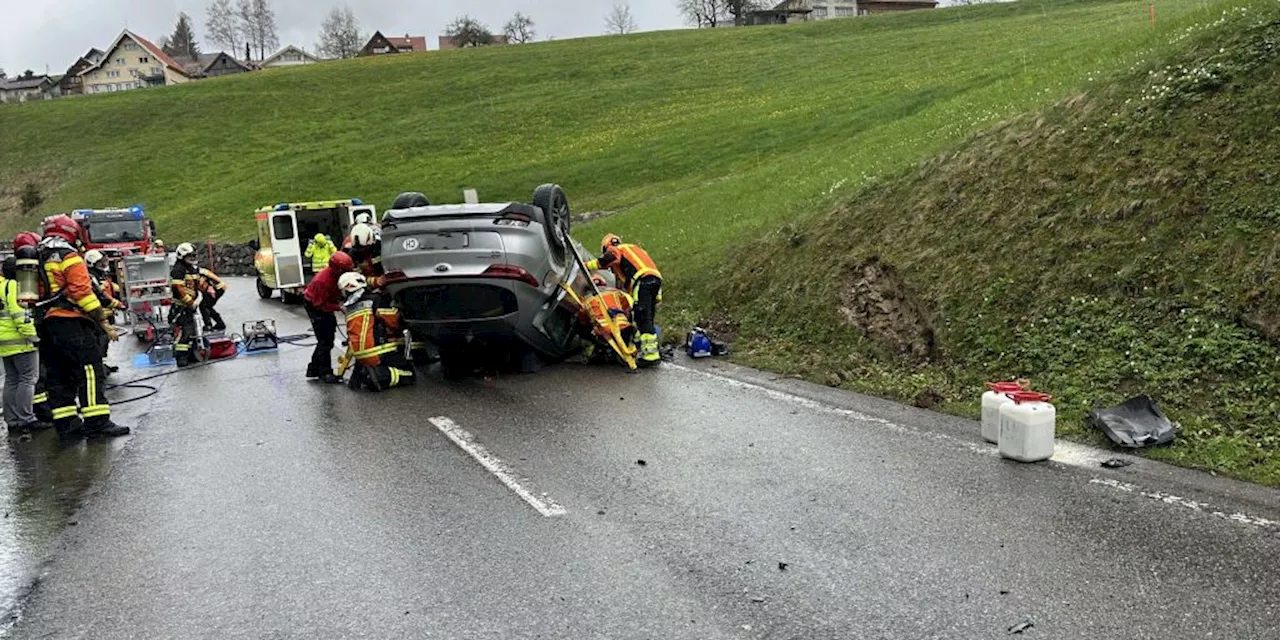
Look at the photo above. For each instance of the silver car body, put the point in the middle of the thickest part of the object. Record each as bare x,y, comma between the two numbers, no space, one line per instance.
480,272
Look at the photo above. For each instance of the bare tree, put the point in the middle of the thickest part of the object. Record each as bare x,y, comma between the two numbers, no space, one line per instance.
340,34
519,29
619,20
222,26
258,25
704,13
468,32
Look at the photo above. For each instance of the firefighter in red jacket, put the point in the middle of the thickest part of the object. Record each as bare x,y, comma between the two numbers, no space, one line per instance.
636,274
323,299
374,338
68,308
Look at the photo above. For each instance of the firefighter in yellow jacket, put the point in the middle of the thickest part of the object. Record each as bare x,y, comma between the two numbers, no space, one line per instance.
374,338
636,274
68,308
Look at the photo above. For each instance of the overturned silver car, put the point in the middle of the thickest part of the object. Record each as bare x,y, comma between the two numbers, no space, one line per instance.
477,279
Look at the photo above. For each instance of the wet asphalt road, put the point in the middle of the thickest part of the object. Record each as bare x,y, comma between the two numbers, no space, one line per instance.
253,504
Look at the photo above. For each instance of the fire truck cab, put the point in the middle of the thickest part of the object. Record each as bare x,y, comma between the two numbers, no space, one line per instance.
283,233
115,232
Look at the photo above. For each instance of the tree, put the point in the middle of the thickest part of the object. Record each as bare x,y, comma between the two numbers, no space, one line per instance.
258,25
182,44
738,9
519,29
340,34
467,32
704,13
28,74
619,20
30,198
222,26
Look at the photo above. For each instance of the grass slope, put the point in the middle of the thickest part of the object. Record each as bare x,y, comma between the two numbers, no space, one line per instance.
1121,241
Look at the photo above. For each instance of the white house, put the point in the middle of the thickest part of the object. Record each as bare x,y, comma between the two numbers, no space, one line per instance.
288,57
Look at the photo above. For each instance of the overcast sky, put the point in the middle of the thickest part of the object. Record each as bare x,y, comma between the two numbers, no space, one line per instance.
53,33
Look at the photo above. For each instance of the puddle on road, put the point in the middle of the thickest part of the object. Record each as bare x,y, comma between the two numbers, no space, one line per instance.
42,485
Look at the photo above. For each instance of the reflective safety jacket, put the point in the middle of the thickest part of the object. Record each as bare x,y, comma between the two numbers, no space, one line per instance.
319,253
373,331
628,262
67,289
611,305
184,279
17,329
106,290
209,283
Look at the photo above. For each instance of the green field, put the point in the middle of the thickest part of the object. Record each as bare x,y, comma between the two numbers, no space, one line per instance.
759,166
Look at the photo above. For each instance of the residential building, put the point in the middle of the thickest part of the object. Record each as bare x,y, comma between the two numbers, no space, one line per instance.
212,65
132,62
790,11
447,42
27,89
72,84
380,44
291,56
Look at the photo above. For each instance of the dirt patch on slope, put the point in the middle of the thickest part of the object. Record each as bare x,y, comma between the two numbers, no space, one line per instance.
874,299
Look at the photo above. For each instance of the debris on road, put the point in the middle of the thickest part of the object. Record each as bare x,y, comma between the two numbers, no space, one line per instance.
1136,423
641,463
1116,463
757,600
1021,627
782,566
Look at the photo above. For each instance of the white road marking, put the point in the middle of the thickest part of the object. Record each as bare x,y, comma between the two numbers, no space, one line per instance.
1065,453
494,465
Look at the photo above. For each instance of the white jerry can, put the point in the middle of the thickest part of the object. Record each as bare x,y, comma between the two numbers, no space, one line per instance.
992,400
1026,427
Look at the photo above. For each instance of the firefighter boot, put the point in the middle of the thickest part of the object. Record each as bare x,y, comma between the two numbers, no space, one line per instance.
105,429
649,348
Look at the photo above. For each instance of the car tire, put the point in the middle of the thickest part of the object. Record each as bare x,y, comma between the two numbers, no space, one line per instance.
264,291
555,217
409,200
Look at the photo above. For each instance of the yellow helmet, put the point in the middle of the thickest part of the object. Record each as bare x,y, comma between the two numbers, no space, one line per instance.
319,238
610,240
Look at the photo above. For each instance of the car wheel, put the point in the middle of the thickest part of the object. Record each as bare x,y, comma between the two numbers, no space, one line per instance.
555,211
264,291
409,200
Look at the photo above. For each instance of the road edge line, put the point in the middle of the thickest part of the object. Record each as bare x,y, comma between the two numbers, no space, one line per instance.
494,465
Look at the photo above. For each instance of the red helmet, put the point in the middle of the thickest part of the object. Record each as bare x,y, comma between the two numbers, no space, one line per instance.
341,261
26,239
61,226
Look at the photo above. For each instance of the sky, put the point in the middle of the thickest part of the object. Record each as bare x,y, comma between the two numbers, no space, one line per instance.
49,35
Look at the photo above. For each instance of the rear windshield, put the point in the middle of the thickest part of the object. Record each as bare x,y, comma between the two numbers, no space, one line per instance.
116,231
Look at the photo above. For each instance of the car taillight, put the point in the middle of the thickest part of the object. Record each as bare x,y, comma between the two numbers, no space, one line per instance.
393,276
511,272
513,220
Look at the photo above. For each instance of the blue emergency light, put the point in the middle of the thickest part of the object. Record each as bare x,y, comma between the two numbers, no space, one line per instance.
356,201
136,210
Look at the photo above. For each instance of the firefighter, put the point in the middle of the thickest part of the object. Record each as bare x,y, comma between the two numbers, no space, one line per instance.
68,310
25,247
157,248
366,250
598,312
636,274
21,358
374,338
319,250
107,294
323,299
184,279
212,289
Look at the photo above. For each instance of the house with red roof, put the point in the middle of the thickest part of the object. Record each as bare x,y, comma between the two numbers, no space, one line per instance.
380,44
132,62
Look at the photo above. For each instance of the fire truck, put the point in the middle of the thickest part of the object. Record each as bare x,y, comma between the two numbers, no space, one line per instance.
116,232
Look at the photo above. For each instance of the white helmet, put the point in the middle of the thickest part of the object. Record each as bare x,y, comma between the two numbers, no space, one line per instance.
364,217
185,249
351,282
362,235
92,257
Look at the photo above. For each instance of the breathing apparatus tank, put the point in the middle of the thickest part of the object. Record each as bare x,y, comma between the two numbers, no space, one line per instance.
27,262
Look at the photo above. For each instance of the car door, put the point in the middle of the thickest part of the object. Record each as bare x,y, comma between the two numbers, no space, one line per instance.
286,250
